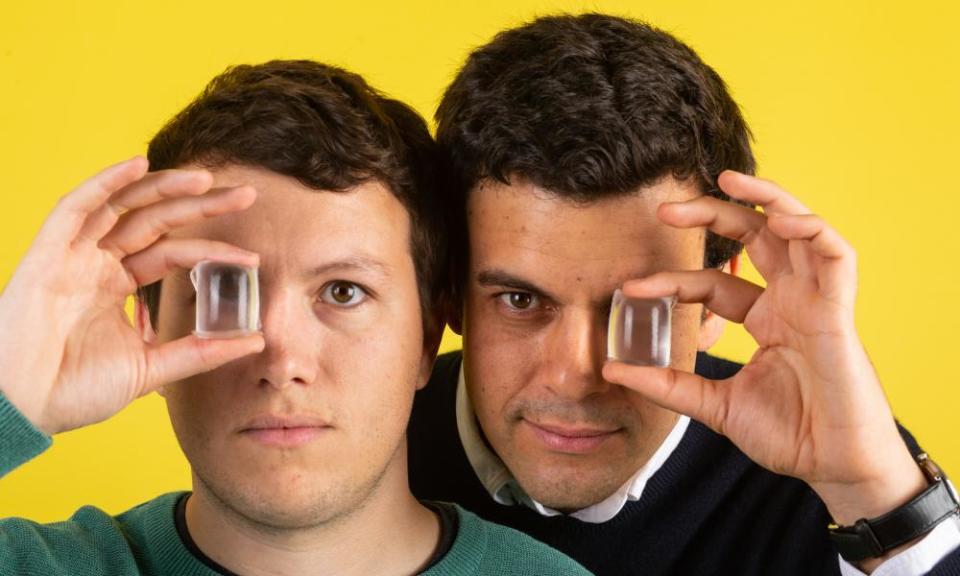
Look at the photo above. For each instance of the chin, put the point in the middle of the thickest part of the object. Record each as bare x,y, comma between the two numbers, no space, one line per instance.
569,488
280,504
291,514
290,498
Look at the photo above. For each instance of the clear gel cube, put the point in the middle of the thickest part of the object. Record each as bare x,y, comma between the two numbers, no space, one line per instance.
228,299
638,331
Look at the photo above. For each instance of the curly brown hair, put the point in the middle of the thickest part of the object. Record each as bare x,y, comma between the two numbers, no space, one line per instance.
584,107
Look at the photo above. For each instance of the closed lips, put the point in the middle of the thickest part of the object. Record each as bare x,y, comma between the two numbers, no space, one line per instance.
284,422
573,432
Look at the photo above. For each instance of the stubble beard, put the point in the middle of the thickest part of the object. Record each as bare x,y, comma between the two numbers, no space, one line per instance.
325,510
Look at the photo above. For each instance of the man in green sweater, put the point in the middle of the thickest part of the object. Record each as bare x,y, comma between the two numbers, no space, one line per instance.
295,433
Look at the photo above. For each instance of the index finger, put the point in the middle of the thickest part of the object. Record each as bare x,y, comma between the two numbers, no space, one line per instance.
152,188
764,193
67,218
722,293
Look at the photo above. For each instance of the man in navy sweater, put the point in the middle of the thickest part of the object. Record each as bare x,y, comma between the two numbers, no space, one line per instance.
592,153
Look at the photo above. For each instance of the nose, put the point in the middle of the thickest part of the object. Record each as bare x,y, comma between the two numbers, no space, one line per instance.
574,354
288,325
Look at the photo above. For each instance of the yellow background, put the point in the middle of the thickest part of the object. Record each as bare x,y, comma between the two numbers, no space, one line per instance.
853,105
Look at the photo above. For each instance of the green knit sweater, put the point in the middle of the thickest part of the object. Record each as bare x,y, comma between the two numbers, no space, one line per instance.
144,540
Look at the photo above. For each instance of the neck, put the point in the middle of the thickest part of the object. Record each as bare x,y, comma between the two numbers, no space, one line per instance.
390,532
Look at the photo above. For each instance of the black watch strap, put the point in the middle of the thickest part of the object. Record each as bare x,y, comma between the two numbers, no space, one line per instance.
874,537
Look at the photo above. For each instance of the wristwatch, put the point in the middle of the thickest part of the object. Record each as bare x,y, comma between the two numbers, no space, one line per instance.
875,537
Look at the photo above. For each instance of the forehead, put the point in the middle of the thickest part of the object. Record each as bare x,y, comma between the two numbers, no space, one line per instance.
529,231
291,225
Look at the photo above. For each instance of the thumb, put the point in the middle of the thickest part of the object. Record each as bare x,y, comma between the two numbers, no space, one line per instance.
702,399
191,355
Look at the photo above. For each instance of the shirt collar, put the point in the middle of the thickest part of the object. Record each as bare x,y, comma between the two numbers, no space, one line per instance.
504,489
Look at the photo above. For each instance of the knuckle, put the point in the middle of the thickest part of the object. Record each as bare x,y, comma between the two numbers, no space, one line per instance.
211,354
206,357
747,236
720,415
716,275
62,201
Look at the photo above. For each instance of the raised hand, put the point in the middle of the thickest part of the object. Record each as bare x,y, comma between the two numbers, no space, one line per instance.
808,403
68,353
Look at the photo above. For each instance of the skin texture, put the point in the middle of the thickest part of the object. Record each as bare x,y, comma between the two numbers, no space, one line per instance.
808,404
542,272
70,355
573,427
269,502
348,370
72,358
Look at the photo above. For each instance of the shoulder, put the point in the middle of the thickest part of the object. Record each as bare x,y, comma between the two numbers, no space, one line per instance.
69,534
90,542
482,547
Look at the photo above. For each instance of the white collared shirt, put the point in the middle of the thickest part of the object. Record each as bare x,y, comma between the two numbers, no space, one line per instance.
504,489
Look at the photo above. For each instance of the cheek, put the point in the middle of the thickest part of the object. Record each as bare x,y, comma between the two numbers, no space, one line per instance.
685,329
202,407
176,316
492,339
174,324
497,375
501,359
378,370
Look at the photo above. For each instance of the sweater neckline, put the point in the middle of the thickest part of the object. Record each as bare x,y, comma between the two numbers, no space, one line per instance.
445,512
165,552
162,549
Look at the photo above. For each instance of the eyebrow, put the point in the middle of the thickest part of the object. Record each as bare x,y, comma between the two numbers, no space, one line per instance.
352,264
497,277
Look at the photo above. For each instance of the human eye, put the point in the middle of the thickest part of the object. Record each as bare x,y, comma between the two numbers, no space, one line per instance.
343,294
519,302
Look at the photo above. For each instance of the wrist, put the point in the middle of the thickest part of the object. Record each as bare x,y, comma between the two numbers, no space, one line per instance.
28,408
870,541
25,354
899,482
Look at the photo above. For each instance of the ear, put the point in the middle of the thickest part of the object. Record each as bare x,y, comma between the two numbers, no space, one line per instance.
711,327
432,334
141,318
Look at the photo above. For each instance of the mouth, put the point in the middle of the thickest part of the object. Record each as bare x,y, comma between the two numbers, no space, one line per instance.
570,439
284,431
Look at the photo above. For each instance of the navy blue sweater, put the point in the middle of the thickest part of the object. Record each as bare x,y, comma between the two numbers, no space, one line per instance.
708,510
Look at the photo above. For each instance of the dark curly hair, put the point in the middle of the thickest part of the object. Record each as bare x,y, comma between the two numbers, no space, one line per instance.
585,107
327,128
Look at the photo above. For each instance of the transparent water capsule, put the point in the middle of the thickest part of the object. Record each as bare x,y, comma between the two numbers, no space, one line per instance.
228,299
638,331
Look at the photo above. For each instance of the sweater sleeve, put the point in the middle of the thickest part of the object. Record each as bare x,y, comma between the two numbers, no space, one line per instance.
20,441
